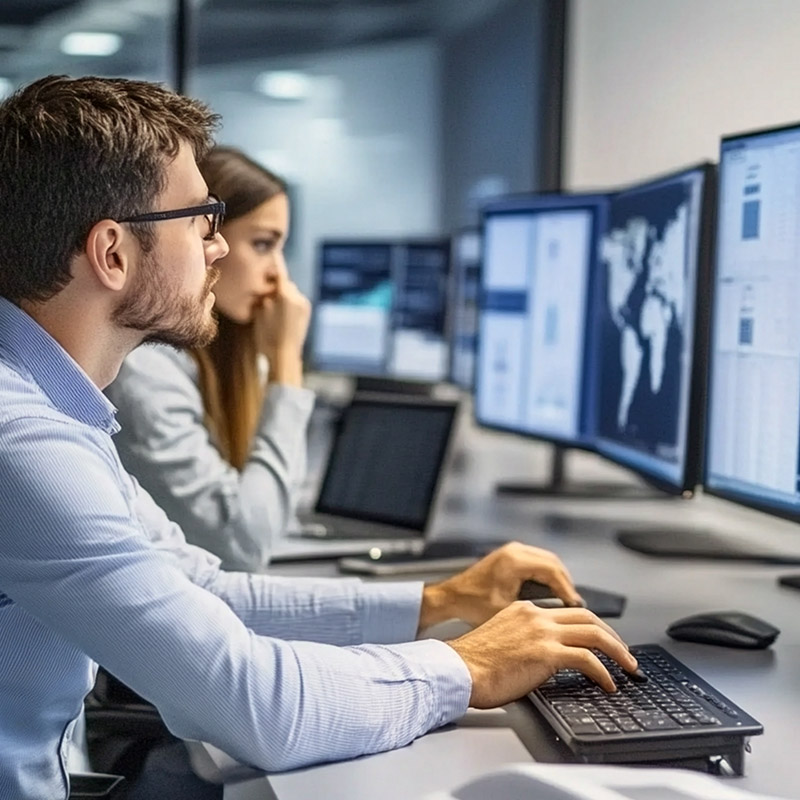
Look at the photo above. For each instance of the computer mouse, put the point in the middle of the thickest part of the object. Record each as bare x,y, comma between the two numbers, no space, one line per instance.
726,628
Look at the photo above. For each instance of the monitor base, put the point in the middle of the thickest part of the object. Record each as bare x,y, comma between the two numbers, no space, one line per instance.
558,485
382,385
702,544
582,490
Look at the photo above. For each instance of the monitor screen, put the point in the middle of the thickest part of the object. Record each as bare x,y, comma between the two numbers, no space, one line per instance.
538,257
386,461
466,256
354,306
753,427
419,348
652,257
381,309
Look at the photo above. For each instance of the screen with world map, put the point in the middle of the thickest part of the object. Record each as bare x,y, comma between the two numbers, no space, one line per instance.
652,256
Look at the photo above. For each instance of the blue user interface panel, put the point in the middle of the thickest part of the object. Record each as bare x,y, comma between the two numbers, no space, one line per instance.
381,309
645,319
753,441
532,370
354,307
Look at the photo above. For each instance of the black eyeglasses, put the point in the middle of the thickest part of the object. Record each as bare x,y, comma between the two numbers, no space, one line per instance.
214,212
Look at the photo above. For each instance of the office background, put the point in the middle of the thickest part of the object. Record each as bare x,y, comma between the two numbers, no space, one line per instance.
652,85
387,118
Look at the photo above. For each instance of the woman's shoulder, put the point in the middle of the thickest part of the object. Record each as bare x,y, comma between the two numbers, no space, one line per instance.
157,366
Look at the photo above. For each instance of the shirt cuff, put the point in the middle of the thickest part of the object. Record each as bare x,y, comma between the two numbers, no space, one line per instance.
390,611
447,674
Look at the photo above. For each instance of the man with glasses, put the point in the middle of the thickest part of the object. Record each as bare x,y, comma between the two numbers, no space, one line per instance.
108,239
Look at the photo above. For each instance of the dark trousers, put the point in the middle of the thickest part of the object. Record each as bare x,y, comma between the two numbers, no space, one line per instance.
168,775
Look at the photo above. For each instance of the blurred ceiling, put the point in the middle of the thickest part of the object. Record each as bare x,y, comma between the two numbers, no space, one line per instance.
31,31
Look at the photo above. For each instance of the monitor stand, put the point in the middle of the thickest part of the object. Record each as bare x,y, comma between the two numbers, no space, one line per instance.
684,542
559,486
369,383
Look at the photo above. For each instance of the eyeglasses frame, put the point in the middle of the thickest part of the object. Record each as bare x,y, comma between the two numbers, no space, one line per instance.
215,210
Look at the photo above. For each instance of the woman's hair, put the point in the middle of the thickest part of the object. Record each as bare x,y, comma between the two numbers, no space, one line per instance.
229,377
74,151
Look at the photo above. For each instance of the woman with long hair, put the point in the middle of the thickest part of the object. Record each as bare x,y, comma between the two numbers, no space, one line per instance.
218,435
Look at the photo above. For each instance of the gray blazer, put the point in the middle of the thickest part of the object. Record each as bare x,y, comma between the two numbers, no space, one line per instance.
165,444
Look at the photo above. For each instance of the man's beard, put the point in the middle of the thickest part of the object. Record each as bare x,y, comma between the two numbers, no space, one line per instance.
163,315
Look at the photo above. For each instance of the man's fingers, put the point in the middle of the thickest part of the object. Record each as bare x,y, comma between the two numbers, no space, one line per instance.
561,584
582,616
596,638
589,664
545,567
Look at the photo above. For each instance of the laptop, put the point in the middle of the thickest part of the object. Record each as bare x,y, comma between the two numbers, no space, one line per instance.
381,481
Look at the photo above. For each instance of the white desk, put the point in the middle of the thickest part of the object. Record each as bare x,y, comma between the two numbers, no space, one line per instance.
765,683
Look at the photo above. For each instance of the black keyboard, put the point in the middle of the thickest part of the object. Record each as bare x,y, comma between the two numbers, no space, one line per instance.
674,716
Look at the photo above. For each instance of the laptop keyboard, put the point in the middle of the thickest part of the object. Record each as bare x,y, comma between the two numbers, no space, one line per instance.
673,704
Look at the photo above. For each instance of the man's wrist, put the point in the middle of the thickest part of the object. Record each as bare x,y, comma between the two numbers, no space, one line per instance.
438,604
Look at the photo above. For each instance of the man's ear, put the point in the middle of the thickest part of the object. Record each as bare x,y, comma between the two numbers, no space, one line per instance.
111,252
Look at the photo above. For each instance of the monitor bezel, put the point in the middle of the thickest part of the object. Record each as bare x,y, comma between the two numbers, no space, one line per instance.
373,399
540,202
451,306
315,364
731,495
698,377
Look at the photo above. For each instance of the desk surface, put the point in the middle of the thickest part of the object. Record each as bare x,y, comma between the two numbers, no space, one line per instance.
765,683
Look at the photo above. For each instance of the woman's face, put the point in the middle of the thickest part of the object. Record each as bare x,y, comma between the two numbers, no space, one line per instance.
248,273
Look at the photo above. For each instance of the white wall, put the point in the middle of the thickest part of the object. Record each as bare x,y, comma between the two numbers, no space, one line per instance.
653,84
362,151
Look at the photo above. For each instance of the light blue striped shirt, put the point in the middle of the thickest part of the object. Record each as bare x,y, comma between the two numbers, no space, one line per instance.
92,571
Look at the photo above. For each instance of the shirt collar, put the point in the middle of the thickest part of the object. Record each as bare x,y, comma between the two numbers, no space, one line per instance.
56,373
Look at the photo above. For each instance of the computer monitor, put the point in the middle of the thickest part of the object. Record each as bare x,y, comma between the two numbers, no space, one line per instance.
538,261
464,288
534,373
419,346
381,308
352,317
753,439
650,331
753,410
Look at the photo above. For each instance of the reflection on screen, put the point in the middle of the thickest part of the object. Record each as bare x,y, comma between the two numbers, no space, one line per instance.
530,369
754,404
645,317
381,309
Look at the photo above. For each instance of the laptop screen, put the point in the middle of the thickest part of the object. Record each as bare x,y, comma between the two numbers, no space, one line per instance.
385,462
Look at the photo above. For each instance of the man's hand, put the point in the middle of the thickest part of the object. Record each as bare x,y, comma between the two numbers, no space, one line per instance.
522,646
479,592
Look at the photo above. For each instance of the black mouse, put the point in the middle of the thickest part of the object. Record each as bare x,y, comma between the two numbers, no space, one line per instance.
727,628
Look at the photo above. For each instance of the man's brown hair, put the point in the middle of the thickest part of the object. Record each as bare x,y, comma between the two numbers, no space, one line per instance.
74,151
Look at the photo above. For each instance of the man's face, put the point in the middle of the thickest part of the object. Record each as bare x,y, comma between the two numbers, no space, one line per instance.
170,298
